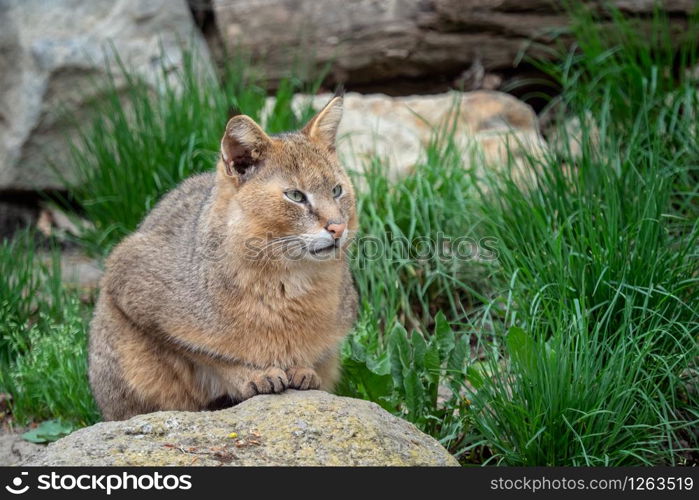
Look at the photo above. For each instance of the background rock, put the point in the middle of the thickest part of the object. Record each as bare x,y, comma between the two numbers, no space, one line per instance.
484,124
80,271
368,41
50,53
294,428
572,132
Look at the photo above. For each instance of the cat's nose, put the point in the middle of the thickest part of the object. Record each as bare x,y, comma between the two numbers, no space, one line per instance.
336,229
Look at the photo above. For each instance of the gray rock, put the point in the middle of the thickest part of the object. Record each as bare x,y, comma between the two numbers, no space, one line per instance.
51,53
294,428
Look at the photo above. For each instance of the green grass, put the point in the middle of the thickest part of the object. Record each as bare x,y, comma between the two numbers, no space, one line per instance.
573,347
30,291
599,265
579,398
50,379
43,334
413,222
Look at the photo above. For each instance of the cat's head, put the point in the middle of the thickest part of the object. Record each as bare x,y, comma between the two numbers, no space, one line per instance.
292,198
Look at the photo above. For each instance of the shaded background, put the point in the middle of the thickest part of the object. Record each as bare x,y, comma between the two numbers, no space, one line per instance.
598,250
52,51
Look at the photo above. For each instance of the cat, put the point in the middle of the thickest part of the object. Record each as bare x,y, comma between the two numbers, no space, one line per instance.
237,283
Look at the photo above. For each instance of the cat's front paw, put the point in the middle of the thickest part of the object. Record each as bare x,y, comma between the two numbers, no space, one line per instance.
302,378
269,381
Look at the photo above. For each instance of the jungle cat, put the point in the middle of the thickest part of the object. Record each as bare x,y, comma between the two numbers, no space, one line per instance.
236,283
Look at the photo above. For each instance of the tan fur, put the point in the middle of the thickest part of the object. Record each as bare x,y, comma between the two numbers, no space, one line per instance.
187,319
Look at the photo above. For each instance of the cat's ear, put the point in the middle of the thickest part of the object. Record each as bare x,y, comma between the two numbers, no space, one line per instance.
243,147
323,126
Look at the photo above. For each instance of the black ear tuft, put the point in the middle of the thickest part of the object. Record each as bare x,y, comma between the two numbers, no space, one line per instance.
233,111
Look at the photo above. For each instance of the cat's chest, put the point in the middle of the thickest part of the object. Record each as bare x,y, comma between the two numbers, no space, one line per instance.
279,326
296,301
293,319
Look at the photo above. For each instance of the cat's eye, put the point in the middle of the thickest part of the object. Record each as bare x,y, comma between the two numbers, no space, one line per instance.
295,195
337,191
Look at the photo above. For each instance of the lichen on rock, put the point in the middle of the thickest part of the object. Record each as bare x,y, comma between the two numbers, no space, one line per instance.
294,428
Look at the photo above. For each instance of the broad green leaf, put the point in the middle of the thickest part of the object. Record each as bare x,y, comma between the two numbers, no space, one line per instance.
380,365
414,395
456,376
444,335
370,385
432,361
419,348
357,350
458,355
433,368
398,352
48,431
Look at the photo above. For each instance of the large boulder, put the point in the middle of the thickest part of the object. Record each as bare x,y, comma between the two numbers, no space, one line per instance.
293,428
51,53
493,129
368,41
